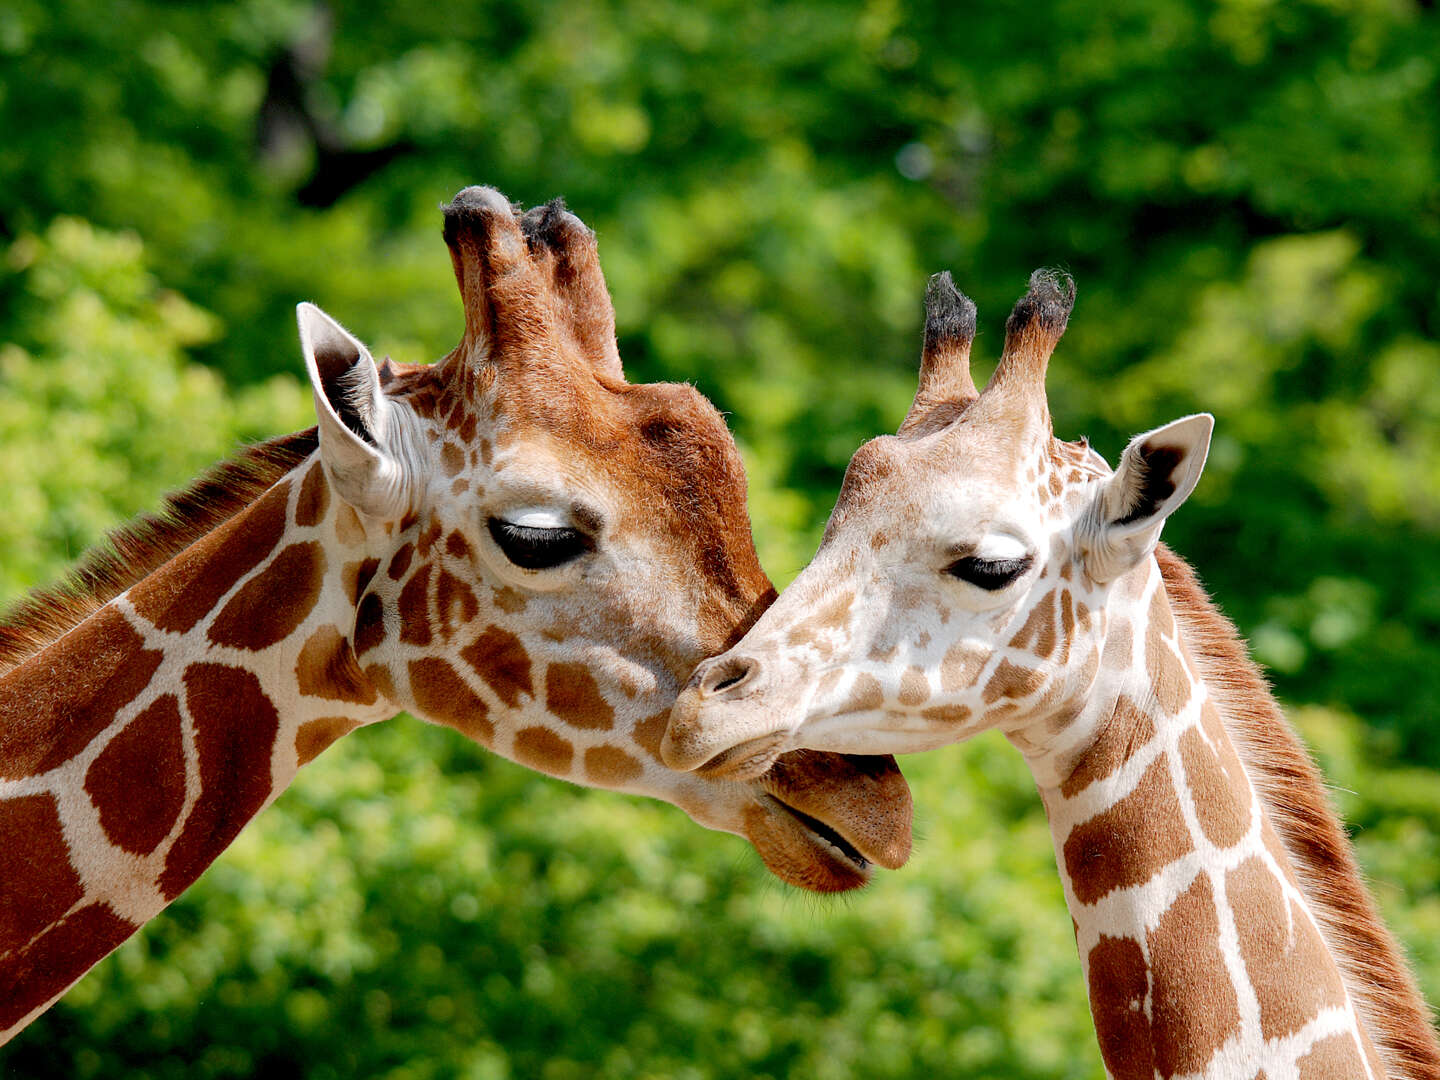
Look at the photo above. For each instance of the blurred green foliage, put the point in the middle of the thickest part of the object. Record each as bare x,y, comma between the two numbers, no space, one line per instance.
1249,196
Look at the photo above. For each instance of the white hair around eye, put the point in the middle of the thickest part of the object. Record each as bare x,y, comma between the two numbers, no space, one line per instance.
538,517
1000,546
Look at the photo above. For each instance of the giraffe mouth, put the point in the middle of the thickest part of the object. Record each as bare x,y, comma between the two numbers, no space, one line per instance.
825,821
827,839
748,761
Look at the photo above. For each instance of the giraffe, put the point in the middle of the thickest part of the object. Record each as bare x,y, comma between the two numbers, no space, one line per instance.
978,573
513,542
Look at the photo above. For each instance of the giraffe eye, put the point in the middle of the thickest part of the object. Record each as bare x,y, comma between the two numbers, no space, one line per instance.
989,574
536,547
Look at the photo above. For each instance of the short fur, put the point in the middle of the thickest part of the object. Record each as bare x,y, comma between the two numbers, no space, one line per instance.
132,551
1293,792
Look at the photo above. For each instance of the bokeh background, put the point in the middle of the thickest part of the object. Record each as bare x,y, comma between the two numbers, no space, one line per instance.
1248,193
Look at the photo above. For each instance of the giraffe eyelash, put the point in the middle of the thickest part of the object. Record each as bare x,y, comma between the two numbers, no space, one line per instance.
534,547
989,574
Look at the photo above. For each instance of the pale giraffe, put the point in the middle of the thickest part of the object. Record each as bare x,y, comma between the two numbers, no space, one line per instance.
514,542
977,573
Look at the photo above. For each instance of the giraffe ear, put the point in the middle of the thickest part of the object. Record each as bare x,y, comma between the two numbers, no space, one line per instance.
354,417
1157,473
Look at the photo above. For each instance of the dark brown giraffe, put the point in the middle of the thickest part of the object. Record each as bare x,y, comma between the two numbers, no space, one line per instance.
977,573
514,542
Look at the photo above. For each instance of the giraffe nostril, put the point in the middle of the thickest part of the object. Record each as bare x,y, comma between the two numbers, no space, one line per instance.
728,675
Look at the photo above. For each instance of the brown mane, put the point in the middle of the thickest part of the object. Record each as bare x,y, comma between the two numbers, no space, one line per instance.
132,551
1293,793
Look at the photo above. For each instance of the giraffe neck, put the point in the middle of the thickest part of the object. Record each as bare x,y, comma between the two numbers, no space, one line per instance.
134,748
1203,950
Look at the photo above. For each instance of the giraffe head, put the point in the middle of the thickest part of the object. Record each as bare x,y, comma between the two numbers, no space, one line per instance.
542,552
965,578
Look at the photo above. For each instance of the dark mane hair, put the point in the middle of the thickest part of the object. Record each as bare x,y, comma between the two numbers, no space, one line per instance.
1293,793
132,551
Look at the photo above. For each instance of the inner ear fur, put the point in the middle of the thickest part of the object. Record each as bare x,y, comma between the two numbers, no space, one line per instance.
1157,473
353,416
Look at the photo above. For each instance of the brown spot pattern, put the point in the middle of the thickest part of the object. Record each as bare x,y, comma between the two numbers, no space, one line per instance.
1193,1007
355,576
1131,841
865,696
235,726
1128,730
1039,628
326,668
138,782
542,749
452,459
1293,975
457,546
499,657
1167,673
1332,1058
314,497
270,606
196,579
914,687
379,677
103,665
315,735
1222,799
400,561
456,604
832,614
348,529
609,766
1119,983
572,695
947,714
961,668
369,624
443,697
1011,681
37,883
508,600
61,955
649,732
415,608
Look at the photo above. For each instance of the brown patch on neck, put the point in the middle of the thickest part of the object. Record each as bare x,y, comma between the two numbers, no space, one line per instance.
1119,984
131,553
1129,729
1193,1007
56,703
37,883
1292,974
1129,843
138,781
272,605
317,735
1295,800
235,727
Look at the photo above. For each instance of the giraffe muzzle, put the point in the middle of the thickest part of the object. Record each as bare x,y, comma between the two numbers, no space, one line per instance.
722,724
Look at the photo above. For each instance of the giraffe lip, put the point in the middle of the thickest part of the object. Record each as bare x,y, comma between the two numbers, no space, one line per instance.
829,841
746,761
